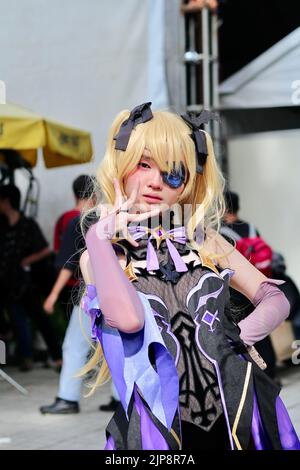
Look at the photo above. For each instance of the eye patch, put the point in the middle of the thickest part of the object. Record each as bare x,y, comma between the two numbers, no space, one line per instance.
175,178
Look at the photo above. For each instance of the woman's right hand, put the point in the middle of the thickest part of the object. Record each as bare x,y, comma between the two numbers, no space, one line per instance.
117,219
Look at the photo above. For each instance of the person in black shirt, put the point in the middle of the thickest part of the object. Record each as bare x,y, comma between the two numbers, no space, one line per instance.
22,245
75,345
232,220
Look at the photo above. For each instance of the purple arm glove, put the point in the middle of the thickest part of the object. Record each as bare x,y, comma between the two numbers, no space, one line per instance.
119,301
272,308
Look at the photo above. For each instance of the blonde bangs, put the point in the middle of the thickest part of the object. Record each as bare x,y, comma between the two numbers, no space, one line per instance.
163,137
166,137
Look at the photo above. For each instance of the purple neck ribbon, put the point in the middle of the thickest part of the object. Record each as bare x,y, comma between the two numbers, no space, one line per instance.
177,235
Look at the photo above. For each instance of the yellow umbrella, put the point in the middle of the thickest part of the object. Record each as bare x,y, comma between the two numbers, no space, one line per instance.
24,131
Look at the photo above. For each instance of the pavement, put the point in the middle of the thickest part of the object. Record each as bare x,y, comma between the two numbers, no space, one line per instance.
22,427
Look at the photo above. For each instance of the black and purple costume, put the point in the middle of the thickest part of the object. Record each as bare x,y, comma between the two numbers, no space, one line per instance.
185,380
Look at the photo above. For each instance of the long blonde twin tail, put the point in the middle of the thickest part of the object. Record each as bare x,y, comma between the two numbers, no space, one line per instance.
207,200
97,363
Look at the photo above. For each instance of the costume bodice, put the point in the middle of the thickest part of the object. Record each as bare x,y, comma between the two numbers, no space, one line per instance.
178,300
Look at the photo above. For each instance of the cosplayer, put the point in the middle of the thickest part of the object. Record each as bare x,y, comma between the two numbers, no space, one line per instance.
157,293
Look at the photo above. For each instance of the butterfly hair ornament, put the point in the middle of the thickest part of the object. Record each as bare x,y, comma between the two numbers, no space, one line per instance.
195,122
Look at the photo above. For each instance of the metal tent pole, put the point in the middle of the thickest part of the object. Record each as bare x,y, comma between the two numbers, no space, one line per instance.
13,382
206,58
206,63
215,85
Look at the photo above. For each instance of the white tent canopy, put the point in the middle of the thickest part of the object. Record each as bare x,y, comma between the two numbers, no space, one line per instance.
265,94
261,122
271,80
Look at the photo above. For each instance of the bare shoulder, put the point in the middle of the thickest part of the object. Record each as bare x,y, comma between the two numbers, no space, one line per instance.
246,278
84,259
122,260
86,268
216,244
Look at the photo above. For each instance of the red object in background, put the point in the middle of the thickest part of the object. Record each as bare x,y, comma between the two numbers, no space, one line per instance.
258,252
59,230
61,226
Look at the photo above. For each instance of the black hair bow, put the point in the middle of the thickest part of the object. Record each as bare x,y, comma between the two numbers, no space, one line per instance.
195,122
139,114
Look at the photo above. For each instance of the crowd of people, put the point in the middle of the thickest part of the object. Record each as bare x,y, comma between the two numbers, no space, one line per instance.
34,281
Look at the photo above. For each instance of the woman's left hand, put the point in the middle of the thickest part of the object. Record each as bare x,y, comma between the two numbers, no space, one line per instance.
49,303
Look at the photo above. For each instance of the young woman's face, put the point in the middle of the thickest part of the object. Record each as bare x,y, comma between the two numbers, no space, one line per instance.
152,188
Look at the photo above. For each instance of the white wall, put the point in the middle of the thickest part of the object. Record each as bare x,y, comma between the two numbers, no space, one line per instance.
79,63
264,170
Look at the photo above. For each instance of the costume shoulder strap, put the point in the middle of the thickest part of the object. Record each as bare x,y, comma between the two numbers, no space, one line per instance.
207,261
